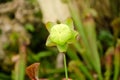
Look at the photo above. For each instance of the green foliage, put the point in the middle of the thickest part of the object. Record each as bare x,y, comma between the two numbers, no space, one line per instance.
106,37
29,27
91,40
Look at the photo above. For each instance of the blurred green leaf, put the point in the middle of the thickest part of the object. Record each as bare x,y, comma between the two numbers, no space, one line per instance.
106,37
29,27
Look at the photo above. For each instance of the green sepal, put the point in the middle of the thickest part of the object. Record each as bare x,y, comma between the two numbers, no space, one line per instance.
49,42
62,48
73,38
69,22
49,25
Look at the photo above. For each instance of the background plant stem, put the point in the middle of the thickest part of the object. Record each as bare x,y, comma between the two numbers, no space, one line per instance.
90,54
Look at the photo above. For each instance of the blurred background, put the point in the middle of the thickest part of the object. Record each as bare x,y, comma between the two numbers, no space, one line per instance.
94,56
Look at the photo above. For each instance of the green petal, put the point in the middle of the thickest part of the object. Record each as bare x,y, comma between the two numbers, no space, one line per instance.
49,42
69,22
49,25
62,48
60,34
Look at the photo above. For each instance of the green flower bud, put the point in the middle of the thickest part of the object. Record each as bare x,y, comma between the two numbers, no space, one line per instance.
60,34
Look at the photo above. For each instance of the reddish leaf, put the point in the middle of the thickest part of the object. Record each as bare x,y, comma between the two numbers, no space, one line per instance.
32,71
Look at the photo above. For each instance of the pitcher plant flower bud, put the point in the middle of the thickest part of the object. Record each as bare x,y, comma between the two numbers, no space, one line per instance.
61,34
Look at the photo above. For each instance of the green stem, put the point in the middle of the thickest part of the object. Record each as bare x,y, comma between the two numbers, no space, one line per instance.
65,65
116,62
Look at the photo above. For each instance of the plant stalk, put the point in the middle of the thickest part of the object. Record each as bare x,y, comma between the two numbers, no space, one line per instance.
65,66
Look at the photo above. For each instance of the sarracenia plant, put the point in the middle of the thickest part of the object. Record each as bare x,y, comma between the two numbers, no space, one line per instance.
61,35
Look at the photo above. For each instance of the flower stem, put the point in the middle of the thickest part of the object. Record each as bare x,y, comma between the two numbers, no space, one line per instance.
65,65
